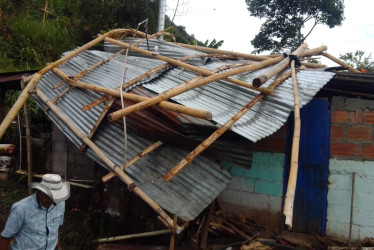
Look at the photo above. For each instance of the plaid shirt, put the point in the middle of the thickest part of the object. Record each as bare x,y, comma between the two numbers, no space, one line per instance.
32,226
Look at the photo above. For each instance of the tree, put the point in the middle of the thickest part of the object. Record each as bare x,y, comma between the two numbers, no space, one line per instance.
285,19
358,61
213,44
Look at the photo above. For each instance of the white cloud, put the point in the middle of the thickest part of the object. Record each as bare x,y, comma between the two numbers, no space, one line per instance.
231,21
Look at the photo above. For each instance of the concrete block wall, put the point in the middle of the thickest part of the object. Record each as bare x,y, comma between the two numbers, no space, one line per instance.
351,151
256,193
68,160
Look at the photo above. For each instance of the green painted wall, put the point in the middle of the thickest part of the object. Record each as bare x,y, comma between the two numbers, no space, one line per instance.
259,187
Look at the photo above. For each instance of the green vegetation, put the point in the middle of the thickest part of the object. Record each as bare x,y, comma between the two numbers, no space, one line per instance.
36,32
285,19
31,36
358,61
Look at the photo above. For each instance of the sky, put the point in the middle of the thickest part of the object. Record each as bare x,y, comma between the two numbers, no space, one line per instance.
229,20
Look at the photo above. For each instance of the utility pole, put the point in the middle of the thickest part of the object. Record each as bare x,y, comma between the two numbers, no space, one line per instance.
161,17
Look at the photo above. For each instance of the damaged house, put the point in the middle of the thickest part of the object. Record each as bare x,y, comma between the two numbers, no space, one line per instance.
182,125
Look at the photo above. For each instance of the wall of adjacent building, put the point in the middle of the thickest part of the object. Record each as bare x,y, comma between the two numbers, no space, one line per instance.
256,193
351,153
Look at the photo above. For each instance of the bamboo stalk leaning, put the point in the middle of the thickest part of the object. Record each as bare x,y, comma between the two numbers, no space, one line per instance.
136,98
123,176
292,179
340,62
205,144
37,76
185,87
147,150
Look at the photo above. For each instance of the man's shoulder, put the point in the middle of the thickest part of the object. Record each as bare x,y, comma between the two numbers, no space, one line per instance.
26,202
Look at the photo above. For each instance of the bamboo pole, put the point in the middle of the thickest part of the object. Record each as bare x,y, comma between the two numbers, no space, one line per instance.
340,62
182,64
132,236
185,87
28,137
135,98
205,144
41,176
172,239
313,65
224,52
139,78
6,148
37,76
292,179
313,52
147,150
125,178
260,80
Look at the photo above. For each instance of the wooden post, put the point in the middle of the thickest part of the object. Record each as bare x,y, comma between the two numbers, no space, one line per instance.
28,137
172,239
292,179
205,230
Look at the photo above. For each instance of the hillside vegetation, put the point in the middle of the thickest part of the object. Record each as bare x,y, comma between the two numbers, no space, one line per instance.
36,32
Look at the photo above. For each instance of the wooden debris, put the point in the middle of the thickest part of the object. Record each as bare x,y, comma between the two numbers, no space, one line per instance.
205,228
255,245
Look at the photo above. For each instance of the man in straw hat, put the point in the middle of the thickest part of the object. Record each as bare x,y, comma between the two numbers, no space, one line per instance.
33,222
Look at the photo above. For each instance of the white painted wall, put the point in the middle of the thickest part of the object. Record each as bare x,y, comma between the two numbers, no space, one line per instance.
339,199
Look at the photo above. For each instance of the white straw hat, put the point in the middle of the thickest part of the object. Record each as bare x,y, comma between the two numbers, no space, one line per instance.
54,187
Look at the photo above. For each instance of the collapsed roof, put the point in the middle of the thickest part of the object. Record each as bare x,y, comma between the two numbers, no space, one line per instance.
76,93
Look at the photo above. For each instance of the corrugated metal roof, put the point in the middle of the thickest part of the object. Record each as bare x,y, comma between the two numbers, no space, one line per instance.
196,186
166,49
224,99
187,195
